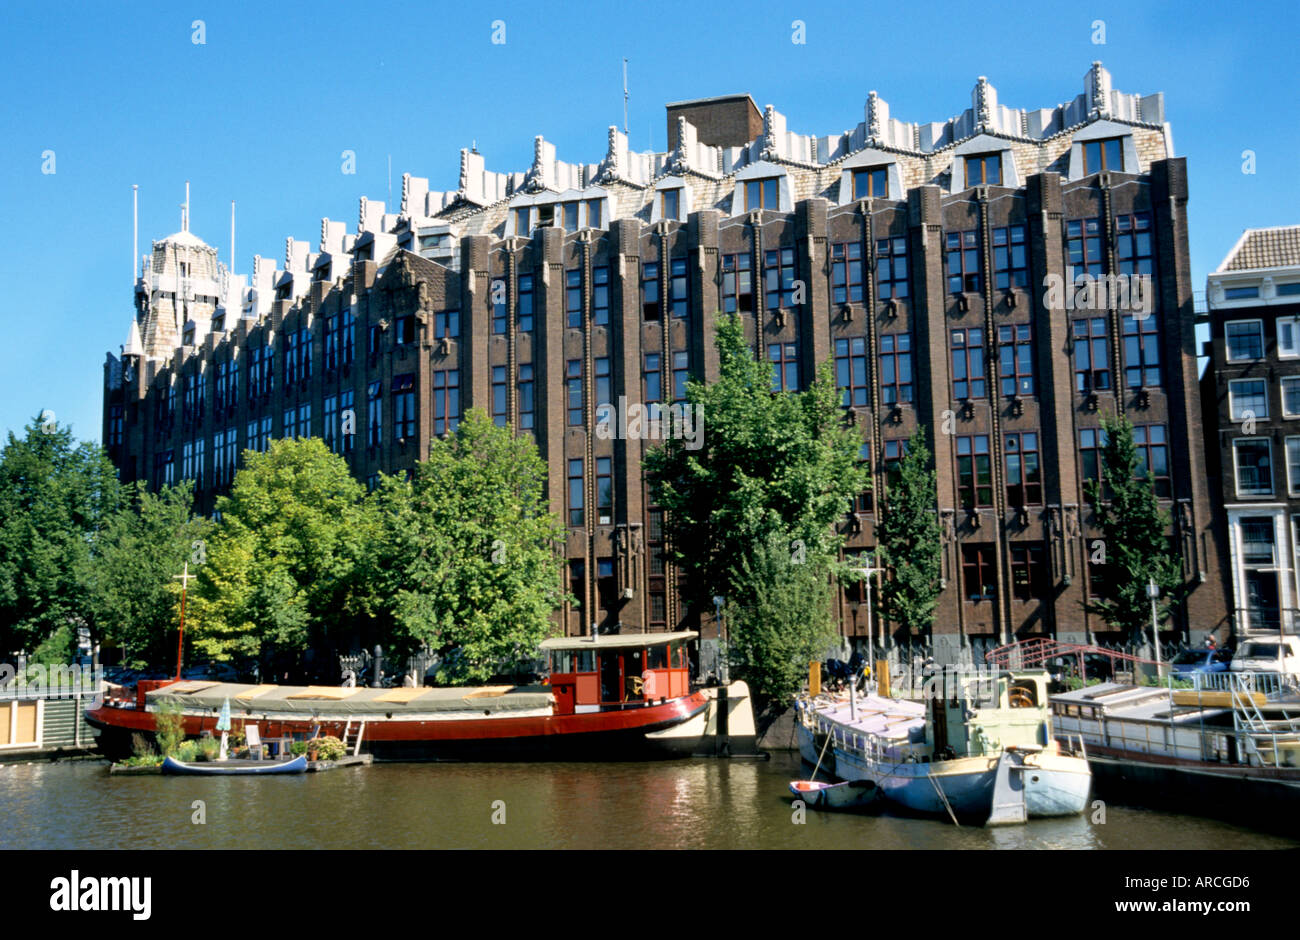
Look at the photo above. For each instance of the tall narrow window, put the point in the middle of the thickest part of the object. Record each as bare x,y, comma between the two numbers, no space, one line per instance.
573,299
577,492
779,278
500,308
785,366
594,215
1152,445
526,406
1092,441
656,566
330,423
1091,360
1141,351
524,312
600,296
604,392
863,502
851,371
1016,359
1133,247
347,420
681,369
895,368
1254,462
978,572
499,395
404,406
1024,472
1010,264
962,257
891,267
670,202
374,414
1083,249
968,364
331,336
653,379
650,290
290,423
571,216
347,337
604,490
974,472
446,401
895,451
573,389
737,284
1029,572
846,273
679,288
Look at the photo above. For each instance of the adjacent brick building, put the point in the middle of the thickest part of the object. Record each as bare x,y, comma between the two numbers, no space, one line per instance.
912,255
1253,390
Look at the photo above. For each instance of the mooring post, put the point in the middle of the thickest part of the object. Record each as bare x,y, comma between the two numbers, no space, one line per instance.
377,667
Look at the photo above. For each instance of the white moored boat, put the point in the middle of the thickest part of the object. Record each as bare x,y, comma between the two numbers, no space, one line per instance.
981,750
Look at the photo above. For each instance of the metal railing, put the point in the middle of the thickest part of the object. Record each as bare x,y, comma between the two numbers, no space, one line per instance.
1254,620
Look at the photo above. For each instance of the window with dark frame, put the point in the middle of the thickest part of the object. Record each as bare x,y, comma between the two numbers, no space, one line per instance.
1024,469
577,492
779,278
1141,351
785,366
404,406
524,304
500,307
1101,155
526,397
871,183
1016,359
762,194
1133,247
670,201
978,569
446,401
679,298
604,490
374,414
681,371
737,284
446,323
1030,577
895,368
499,415
1092,444
891,267
1010,259
846,273
573,389
1152,444
895,451
1091,358
1083,249
962,261
851,371
652,379
600,296
974,472
984,170
968,364
573,299
1254,465
650,290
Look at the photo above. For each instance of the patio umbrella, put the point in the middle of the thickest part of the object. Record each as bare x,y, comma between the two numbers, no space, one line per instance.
223,725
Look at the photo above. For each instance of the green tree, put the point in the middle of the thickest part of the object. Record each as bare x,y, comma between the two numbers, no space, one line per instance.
908,540
470,554
1134,534
283,568
133,595
55,495
769,464
784,622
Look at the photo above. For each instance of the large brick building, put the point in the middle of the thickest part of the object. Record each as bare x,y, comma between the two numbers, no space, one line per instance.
1253,448
912,255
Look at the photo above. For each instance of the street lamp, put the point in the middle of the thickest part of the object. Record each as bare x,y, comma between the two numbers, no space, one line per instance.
1153,592
868,569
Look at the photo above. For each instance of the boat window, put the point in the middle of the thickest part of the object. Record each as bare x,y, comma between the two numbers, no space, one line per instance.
584,661
1023,695
562,661
658,657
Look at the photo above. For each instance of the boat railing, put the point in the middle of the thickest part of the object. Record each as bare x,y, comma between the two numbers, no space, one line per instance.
1266,683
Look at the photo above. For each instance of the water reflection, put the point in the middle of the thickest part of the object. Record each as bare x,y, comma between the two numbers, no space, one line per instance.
679,804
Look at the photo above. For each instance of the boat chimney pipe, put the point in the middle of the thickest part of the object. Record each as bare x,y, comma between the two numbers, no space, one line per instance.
377,667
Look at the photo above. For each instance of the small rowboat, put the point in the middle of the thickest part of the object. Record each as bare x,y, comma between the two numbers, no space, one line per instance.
853,794
227,767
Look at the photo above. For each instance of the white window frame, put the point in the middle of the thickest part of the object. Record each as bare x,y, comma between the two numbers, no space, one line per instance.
1271,565
1227,344
1236,468
1292,352
1281,386
1232,399
1292,478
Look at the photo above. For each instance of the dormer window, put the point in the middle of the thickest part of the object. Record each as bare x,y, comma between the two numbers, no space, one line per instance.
670,204
545,216
1101,155
871,182
984,170
570,216
522,226
282,292
367,253
593,213
323,272
762,194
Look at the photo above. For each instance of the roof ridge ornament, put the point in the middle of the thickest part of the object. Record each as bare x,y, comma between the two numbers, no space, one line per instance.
678,162
1099,91
983,108
769,134
608,168
873,119
535,180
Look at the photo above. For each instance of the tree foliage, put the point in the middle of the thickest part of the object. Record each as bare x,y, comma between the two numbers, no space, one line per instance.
55,495
283,568
908,539
470,557
133,596
780,621
1134,535
771,464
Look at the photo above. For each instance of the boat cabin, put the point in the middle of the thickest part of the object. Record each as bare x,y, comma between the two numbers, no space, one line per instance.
601,673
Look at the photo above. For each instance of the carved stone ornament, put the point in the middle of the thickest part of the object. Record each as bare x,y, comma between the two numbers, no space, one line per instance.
1071,521
948,524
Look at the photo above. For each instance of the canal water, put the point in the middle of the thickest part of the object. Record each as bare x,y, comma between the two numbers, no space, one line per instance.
677,804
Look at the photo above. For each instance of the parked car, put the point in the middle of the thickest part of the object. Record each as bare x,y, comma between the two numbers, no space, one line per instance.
1272,654
1200,661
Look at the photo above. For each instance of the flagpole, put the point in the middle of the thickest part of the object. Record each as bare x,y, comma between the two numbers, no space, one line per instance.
184,579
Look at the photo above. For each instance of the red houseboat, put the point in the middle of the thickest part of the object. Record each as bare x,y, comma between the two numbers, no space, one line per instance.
608,697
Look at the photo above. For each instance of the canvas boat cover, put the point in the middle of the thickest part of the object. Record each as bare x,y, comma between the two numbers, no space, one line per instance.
322,701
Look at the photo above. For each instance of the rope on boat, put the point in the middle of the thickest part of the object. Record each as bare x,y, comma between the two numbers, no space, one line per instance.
943,796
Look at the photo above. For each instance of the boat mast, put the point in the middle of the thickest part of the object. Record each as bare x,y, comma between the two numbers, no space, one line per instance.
184,578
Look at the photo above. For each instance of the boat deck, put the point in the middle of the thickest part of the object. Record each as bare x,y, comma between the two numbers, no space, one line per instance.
876,716
325,701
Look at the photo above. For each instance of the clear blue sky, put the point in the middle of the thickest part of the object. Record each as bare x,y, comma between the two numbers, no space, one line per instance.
262,111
